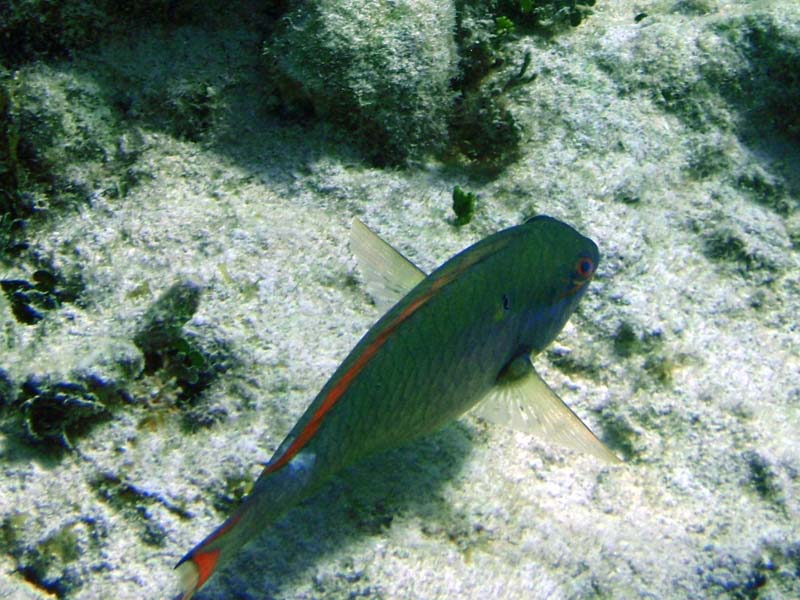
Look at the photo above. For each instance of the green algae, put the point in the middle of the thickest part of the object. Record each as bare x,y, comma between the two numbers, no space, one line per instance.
463,205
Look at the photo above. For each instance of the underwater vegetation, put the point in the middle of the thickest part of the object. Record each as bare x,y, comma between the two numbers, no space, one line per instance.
463,205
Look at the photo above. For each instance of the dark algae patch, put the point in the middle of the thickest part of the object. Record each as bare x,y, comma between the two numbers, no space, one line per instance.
175,354
177,362
53,410
30,299
763,478
628,342
58,412
160,333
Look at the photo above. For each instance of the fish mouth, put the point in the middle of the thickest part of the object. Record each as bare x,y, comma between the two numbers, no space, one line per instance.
574,289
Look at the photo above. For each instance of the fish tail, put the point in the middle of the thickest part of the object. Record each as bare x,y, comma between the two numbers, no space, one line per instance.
202,561
272,495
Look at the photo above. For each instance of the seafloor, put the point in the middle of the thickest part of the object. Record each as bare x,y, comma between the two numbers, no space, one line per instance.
178,183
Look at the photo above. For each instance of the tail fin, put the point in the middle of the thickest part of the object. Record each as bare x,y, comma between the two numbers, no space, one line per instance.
189,575
199,564
273,493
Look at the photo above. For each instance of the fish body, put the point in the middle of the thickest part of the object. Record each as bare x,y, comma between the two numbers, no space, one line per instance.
442,348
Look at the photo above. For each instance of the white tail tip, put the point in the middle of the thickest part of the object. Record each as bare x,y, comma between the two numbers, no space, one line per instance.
189,576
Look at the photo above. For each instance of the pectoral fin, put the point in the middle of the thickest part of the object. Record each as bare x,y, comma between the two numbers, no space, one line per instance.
523,401
388,274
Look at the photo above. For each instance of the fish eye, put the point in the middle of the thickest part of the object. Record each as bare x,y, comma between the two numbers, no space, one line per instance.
585,266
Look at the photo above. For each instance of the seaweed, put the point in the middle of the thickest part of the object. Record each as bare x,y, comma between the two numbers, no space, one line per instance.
463,206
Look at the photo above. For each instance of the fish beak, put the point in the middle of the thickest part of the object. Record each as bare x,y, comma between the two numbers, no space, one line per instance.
574,289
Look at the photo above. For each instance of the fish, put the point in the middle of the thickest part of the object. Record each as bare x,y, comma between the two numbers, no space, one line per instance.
456,340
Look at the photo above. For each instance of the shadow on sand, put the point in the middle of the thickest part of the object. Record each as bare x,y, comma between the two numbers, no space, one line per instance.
362,502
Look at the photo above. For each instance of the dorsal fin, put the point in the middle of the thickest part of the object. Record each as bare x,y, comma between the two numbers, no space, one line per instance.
388,274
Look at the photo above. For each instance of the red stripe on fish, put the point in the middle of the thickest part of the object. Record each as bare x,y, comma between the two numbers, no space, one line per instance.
341,386
205,562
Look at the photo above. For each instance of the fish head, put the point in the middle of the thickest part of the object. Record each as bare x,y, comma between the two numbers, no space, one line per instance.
558,264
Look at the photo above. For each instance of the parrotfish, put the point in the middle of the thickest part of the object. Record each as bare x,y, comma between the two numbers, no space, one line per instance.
457,339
